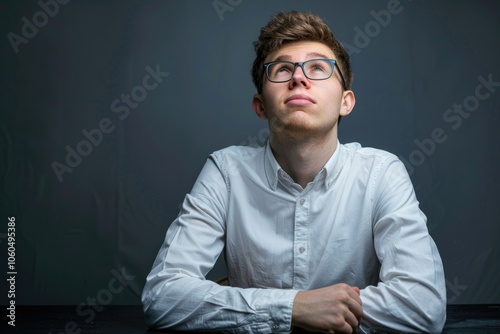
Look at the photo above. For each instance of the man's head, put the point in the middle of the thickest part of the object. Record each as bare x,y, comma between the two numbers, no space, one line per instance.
295,26
303,77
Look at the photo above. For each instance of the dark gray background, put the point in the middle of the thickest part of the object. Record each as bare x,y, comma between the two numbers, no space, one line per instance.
111,212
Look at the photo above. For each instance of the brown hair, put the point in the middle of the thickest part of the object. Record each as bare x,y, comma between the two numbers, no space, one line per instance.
293,26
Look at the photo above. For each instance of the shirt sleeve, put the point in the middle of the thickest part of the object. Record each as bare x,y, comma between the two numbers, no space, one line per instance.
411,293
177,295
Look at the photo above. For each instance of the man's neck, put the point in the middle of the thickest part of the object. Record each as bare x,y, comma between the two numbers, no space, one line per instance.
303,159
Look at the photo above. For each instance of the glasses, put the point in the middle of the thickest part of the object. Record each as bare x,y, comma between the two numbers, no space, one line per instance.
313,69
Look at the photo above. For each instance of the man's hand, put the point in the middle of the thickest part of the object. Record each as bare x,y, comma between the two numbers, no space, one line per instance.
334,309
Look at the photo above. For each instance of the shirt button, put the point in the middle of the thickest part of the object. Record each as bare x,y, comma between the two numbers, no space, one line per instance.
302,201
302,249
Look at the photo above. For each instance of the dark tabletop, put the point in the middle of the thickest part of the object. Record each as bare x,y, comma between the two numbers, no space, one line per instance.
129,320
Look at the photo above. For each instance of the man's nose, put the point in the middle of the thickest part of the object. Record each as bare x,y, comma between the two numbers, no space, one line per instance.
299,78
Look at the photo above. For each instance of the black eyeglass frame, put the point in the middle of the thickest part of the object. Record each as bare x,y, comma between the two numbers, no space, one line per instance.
333,62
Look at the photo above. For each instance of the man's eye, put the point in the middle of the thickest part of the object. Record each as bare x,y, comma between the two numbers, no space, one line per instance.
317,67
283,68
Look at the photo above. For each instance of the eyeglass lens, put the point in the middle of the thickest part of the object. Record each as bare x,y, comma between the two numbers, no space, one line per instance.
316,69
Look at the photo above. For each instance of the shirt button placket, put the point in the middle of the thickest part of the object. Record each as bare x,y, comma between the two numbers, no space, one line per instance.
300,243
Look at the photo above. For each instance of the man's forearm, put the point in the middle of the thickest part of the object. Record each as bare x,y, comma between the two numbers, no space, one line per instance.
404,306
193,304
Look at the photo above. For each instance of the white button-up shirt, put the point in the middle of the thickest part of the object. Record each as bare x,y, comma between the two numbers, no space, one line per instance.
358,222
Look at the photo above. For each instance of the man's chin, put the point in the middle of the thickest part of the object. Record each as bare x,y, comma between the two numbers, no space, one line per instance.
300,129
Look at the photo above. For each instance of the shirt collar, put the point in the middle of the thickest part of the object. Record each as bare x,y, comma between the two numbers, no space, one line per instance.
334,165
330,170
271,166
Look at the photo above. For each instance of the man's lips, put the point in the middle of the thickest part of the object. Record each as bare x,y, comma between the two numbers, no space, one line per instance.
299,99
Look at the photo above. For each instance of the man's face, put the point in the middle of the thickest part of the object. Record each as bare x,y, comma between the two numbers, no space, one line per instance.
301,105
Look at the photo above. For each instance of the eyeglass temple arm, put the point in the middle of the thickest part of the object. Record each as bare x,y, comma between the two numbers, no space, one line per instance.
341,75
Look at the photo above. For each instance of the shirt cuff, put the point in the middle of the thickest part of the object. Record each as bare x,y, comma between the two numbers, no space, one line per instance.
274,309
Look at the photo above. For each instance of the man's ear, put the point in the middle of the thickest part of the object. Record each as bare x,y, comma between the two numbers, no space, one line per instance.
258,106
348,102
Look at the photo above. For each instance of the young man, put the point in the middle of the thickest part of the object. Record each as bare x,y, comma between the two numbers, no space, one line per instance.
317,235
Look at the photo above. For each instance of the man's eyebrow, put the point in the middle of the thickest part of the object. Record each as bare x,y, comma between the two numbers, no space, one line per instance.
317,55
283,58
310,55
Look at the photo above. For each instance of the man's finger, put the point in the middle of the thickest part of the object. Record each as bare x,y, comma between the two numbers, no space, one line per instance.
352,320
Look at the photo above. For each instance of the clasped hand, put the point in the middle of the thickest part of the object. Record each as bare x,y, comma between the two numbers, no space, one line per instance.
333,309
